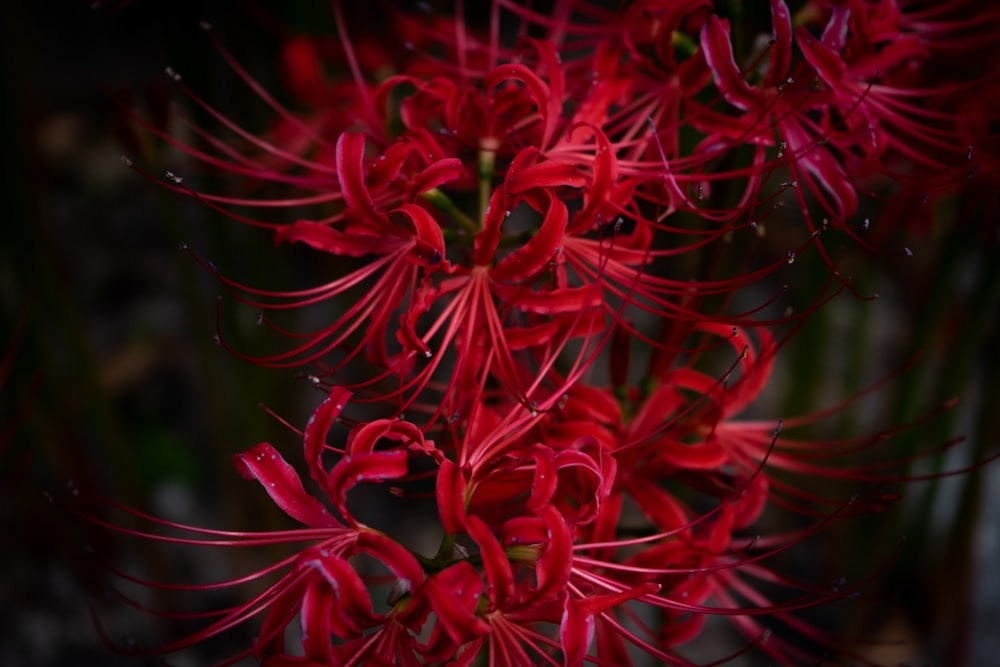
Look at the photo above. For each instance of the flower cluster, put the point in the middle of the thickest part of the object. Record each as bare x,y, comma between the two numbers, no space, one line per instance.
554,297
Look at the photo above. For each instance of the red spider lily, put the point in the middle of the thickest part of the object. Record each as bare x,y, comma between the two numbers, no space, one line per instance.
532,563
496,211
839,115
539,257
865,53
393,207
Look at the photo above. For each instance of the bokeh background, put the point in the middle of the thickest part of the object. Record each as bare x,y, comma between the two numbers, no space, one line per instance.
116,387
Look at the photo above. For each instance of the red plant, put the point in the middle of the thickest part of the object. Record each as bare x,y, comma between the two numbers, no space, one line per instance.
505,205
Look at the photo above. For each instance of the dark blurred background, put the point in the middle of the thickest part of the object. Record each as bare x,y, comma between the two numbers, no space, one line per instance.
118,388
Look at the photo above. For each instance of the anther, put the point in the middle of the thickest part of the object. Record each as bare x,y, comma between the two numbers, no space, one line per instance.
172,74
126,161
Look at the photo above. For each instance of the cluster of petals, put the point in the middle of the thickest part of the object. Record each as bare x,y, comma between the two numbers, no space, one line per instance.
506,199
503,213
556,526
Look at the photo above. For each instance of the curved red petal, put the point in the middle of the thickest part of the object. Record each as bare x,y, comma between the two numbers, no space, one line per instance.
453,594
435,175
317,428
429,238
357,243
499,576
781,46
283,484
352,470
450,488
395,556
718,52
547,174
527,260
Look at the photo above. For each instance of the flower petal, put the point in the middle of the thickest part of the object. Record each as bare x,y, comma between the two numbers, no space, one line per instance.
351,174
450,488
718,52
317,428
283,484
395,556
548,106
352,470
781,47
436,174
547,174
429,242
453,594
349,605
499,576
527,260
358,242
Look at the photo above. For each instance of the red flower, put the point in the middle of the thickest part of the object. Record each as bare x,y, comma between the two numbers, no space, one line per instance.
486,211
497,210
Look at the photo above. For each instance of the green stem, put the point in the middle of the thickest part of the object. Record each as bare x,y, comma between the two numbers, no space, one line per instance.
443,203
487,169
